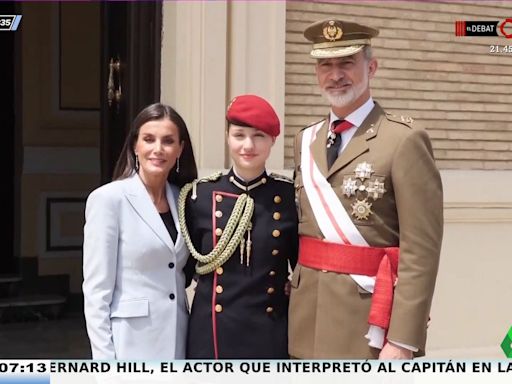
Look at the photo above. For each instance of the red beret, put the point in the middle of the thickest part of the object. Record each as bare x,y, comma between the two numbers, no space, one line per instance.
253,111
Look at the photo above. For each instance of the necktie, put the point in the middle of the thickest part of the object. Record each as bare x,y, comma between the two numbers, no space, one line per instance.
334,141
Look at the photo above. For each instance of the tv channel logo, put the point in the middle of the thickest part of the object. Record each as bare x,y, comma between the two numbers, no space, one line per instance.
484,28
9,22
506,344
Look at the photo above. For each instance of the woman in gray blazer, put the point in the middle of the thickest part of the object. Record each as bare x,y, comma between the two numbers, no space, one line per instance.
134,255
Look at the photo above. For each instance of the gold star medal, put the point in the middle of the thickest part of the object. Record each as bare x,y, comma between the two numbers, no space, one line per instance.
361,209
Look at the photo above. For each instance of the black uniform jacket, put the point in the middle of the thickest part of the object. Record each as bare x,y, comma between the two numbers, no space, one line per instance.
239,310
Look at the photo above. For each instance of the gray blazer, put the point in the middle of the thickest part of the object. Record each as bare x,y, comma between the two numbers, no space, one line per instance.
134,287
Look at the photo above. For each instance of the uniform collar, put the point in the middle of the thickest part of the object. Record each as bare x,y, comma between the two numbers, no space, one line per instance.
358,116
244,185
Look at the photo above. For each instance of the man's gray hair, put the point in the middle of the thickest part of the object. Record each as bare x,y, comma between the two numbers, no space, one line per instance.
368,53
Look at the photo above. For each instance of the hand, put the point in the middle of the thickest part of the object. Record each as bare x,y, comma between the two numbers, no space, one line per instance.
391,351
288,288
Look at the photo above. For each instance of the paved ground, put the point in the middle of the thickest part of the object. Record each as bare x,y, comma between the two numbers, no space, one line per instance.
65,338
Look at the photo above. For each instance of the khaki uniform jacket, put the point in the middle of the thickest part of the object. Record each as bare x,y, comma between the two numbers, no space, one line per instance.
329,311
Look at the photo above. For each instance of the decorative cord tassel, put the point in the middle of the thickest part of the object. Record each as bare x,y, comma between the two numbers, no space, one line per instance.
249,243
242,246
238,222
194,191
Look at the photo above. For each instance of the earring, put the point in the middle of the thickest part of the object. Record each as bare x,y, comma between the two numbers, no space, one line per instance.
178,165
137,165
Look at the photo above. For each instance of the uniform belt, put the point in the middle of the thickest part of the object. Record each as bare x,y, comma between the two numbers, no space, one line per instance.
352,259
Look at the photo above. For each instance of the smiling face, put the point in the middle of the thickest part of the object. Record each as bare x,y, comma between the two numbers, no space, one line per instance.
158,146
345,81
249,148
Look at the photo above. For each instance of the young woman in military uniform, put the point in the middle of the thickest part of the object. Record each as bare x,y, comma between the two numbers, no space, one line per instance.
242,229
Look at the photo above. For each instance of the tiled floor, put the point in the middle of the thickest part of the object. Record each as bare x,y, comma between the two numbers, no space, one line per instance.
65,338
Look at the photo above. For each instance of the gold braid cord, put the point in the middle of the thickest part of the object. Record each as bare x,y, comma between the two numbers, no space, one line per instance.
231,237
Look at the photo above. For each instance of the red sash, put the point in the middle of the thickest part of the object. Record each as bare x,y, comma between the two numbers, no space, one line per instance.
360,260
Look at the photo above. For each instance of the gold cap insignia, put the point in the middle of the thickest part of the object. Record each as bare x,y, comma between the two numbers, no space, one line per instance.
337,38
331,31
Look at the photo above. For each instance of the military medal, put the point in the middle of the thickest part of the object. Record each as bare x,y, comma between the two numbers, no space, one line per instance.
363,186
364,170
361,209
330,139
349,187
375,189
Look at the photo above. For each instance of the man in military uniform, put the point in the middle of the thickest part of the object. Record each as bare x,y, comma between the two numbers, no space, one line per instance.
370,214
242,228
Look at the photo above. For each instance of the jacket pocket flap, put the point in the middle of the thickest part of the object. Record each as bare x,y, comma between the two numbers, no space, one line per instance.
130,308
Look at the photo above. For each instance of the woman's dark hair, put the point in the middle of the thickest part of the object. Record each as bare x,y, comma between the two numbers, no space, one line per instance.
125,165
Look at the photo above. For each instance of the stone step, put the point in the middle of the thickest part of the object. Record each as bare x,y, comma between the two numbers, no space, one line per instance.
9,285
31,307
23,301
8,279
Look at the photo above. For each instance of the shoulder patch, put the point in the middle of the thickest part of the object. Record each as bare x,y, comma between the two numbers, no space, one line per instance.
406,120
311,124
279,177
213,177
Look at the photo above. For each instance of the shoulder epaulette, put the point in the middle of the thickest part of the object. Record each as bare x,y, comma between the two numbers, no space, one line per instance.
213,177
406,120
279,177
193,185
311,124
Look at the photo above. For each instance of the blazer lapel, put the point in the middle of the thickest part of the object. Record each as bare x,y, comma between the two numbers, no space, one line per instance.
319,149
172,199
359,142
140,200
